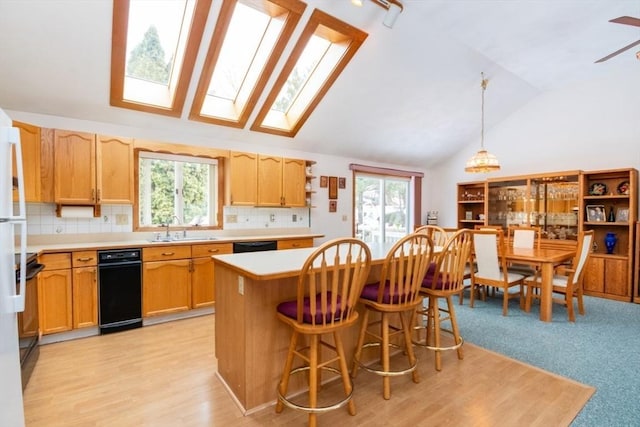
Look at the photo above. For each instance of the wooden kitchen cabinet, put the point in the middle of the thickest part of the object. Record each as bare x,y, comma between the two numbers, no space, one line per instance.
269,181
85,289
90,169
166,280
202,282
242,182
55,293
295,243
75,168
30,140
115,170
607,277
294,180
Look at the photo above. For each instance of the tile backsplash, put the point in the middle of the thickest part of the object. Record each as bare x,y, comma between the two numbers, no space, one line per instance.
42,219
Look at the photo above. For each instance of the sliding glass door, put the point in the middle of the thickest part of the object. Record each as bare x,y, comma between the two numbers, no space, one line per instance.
382,207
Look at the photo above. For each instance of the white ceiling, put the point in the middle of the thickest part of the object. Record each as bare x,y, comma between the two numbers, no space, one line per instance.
410,96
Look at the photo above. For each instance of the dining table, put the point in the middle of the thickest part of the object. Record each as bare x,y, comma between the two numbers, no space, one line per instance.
546,259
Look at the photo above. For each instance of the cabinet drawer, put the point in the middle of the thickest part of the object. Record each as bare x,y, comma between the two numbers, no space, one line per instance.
84,258
295,243
56,261
161,253
211,249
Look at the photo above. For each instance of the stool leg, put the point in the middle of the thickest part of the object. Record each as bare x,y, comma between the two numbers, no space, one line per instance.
454,327
313,379
406,328
433,302
386,384
286,373
358,354
346,381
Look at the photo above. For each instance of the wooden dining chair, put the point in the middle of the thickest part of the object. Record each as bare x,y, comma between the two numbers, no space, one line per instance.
396,295
527,237
567,281
437,234
329,285
491,268
442,283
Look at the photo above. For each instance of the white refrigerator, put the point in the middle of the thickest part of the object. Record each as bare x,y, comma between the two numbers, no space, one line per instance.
12,224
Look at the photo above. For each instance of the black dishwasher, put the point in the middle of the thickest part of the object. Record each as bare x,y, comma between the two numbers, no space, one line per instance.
120,284
265,245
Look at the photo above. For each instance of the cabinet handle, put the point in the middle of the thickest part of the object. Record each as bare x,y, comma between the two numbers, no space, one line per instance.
191,269
98,201
93,195
168,253
212,251
85,259
295,245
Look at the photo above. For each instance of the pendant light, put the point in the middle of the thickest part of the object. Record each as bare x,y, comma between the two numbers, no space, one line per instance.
482,161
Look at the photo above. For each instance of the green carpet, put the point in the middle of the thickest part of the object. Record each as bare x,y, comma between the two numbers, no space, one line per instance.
601,349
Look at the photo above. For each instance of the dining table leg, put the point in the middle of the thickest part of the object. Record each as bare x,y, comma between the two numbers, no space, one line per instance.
546,294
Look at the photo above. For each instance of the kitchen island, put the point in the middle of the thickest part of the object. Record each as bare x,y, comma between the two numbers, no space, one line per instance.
250,342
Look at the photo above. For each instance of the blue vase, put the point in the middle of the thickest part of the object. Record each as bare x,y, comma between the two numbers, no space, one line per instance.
610,242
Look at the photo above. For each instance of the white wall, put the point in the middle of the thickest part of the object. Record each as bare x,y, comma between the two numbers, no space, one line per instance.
588,125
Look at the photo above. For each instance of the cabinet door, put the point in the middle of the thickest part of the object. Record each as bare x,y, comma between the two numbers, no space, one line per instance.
30,142
616,280
294,178
593,277
74,168
114,165
202,285
55,296
243,179
269,181
85,297
166,287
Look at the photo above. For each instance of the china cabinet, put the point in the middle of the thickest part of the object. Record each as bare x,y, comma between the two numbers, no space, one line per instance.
563,204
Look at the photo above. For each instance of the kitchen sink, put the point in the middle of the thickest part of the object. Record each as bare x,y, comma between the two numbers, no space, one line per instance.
182,239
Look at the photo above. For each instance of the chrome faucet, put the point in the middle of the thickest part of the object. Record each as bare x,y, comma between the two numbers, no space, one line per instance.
184,230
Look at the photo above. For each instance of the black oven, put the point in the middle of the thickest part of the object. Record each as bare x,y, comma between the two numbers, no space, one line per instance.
28,329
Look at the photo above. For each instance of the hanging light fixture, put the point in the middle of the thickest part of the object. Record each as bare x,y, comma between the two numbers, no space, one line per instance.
393,7
482,161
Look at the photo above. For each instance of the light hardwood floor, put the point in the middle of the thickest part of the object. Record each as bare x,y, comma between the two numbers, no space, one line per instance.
164,375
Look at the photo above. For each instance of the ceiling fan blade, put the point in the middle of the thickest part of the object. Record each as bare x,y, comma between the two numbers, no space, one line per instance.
635,43
627,20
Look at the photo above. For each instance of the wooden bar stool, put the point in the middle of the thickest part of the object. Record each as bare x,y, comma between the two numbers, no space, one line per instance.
329,286
443,282
397,293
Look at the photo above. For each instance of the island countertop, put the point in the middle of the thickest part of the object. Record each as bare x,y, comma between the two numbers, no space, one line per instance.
269,265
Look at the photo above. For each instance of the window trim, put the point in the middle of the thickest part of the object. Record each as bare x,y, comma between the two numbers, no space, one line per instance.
119,57
374,170
186,151
330,26
295,9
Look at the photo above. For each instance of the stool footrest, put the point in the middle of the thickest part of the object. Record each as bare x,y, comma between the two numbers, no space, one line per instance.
394,373
320,409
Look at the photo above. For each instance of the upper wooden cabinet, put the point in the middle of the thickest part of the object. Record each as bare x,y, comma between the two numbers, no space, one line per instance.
260,180
30,142
75,168
92,169
115,169
242,179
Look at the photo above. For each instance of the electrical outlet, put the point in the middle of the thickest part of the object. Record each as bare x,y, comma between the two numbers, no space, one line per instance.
344,218
231,219
294,218
272,217
241,285
122,219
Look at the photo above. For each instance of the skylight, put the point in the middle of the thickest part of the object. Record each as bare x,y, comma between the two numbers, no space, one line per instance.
153,51
248,41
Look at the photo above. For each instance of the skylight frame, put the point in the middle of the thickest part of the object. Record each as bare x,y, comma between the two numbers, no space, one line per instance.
180,77
237,114
323,25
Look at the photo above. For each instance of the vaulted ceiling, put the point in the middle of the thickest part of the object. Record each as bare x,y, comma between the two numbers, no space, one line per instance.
410,96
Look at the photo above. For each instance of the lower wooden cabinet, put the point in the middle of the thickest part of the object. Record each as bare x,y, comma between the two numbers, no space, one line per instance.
295,243
166,280
55,294
202,282
85,297
607,276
